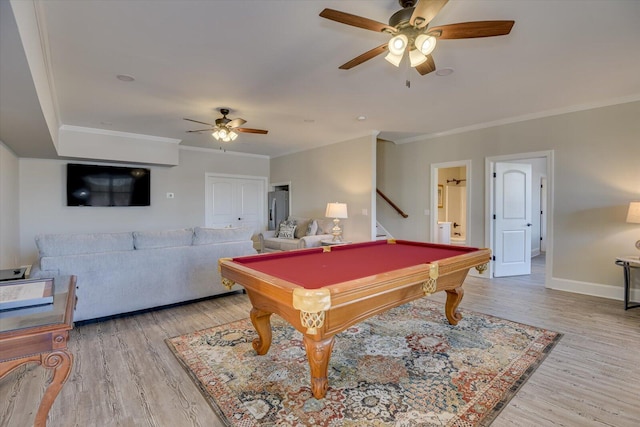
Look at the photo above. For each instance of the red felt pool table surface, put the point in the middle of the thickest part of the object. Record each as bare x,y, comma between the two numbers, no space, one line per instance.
316,268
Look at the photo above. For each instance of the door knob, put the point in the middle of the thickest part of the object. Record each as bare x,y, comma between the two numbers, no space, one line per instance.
528,224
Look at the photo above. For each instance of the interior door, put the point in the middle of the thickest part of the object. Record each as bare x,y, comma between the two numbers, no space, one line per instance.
512,209
235,202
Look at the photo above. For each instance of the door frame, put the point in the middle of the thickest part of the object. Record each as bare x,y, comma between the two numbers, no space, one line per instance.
490,198
434,195
273,186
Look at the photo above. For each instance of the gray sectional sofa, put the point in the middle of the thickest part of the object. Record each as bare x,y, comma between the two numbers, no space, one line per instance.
124,272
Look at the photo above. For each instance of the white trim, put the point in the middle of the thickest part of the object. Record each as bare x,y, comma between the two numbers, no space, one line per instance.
96,131
221,152
523,118
373,133
435,167
593,289
488,232
33,35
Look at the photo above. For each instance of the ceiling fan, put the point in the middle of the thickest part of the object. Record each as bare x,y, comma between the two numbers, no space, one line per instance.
225,129
410,29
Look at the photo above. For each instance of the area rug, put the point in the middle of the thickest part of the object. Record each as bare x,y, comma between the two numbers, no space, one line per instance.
405,367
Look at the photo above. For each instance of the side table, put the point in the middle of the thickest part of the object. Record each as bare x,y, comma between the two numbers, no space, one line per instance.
40,336
629,264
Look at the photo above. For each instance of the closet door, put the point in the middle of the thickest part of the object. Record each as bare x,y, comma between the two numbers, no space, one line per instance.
235,202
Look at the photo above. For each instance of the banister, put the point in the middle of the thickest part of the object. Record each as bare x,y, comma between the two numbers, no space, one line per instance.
393,205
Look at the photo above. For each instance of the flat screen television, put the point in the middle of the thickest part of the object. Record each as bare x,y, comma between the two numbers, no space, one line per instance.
94,185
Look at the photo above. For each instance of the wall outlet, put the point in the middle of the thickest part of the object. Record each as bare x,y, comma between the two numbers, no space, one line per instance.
365,212
170,195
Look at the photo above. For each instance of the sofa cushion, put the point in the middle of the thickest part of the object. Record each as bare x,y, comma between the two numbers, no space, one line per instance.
207,236
50,245
162,239
279,244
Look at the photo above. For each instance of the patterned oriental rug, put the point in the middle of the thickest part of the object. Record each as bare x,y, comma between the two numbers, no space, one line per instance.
405,367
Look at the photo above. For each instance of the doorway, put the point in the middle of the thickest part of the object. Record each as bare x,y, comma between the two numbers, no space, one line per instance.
450,202
541,227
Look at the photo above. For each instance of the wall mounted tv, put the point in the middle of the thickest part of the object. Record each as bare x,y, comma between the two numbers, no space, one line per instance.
94,185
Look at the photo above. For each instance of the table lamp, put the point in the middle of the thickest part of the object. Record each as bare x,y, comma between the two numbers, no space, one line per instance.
336,211
633,216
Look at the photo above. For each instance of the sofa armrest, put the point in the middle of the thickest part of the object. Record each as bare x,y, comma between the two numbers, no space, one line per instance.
313,241
264,235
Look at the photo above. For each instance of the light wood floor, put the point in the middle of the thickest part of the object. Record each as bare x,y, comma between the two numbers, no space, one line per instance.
124,374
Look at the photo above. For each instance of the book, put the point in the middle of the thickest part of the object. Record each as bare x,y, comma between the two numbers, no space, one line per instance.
25,293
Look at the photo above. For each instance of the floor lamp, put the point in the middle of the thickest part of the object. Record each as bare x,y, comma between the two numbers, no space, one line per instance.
336,211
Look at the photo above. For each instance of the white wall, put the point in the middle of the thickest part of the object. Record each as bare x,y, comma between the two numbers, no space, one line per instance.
43,197
9,209
342,172
596,174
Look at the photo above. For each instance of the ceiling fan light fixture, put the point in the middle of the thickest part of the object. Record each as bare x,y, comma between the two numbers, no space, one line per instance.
416,57
393,59
398,44
425,43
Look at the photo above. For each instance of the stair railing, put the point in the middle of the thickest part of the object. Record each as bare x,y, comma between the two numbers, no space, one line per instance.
393,205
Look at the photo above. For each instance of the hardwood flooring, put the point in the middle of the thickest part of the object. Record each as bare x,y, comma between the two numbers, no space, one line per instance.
124,374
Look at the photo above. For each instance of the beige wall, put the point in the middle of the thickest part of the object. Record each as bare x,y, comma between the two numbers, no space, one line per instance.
9,209
43,204
596,174
342,172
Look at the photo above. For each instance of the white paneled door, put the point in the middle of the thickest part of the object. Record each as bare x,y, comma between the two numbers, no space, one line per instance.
235,202
512,249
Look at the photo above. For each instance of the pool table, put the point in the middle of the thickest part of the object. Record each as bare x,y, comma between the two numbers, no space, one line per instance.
323,291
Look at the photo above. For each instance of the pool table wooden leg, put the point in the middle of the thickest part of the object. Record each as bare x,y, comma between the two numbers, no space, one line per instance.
262,322
454,296
318,354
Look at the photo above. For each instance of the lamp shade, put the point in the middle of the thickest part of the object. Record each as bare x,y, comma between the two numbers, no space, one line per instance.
416,57
633,214
398,44
425,43
393,59
336,210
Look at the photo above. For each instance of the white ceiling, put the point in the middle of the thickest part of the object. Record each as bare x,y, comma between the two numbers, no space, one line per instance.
275,64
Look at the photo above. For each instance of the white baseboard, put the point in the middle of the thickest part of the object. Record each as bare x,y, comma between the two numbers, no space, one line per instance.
593,289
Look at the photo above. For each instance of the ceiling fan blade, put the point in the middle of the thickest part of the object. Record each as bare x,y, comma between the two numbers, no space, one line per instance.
236,122
202,123
470,30
202,130
247,130
427,66
365,57
425,11
356,21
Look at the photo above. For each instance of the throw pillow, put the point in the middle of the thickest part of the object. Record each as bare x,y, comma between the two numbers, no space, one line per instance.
312,228
287,231
301,228
285,222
